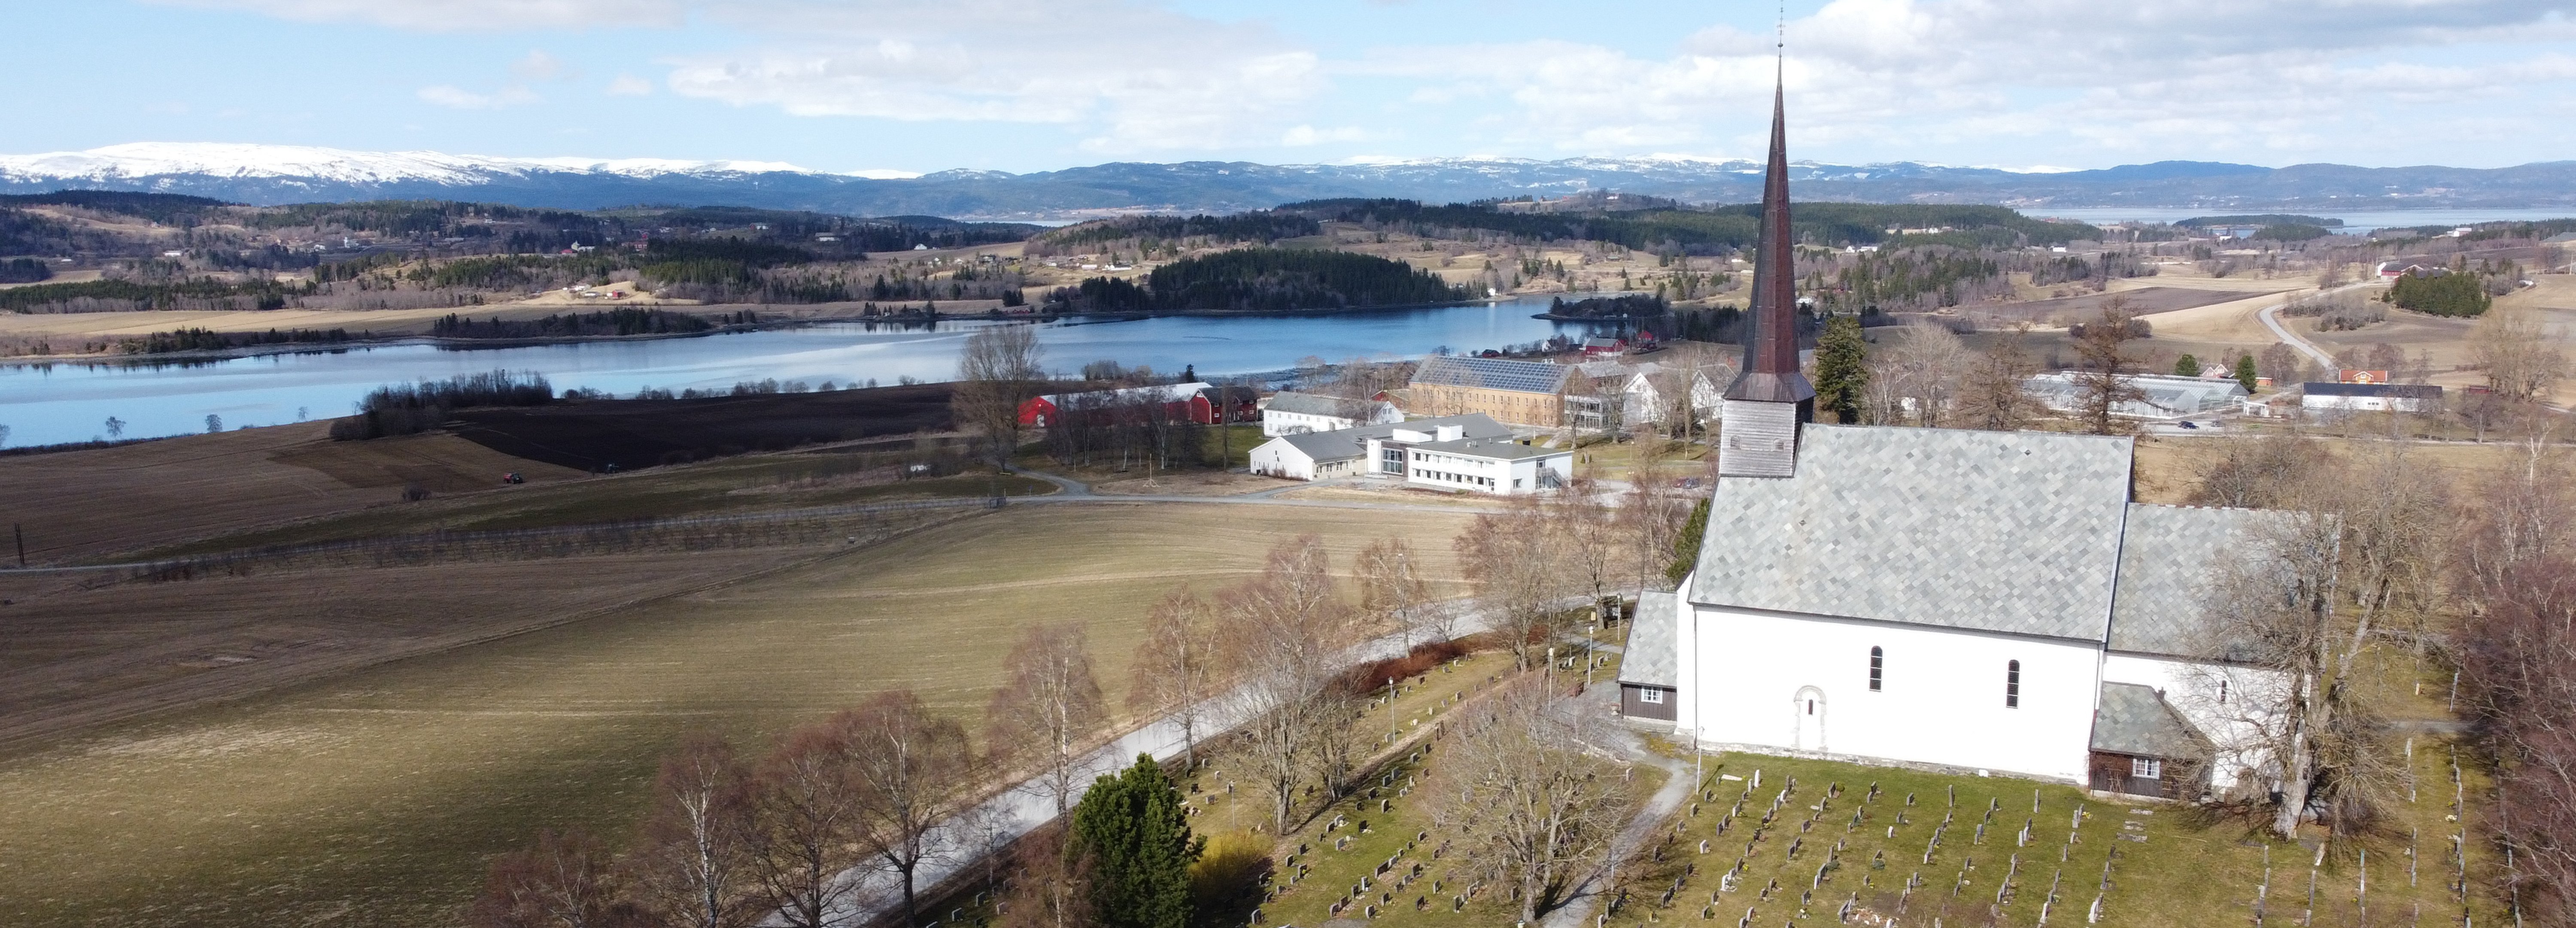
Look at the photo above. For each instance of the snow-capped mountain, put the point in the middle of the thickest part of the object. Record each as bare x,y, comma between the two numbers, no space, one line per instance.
222,159
271,174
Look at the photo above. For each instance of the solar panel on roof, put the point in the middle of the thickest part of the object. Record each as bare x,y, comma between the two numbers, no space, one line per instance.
1492,374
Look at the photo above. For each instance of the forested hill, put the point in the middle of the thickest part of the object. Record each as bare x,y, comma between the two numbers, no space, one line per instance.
1264,280
1736,226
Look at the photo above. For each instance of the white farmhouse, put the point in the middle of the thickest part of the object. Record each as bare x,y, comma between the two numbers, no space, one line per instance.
1652,395
1288,413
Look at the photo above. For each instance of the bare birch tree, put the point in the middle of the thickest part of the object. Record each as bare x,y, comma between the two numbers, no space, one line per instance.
1533,810
911,774
1176,668
2397,522
1392,589
1649,519
565,881
1048,702
2518,552
1284,633
805,828
1592,545
997,371
1916,378
2521,356
691,864
1515,560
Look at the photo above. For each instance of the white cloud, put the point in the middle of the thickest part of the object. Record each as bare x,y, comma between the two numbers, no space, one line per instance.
2014,81
1128,77
539,66
2037,78
1303,135
457,98
463,15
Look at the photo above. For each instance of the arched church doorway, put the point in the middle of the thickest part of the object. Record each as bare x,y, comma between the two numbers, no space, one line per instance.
1810,707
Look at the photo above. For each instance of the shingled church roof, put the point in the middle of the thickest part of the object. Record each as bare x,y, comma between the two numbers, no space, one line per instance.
2026,533
2014,532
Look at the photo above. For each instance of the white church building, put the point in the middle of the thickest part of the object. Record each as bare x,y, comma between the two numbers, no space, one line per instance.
1982,601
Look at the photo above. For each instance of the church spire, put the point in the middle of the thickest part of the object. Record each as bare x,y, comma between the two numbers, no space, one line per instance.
1764,407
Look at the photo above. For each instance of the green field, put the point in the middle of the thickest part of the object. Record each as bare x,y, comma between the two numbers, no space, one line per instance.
377,797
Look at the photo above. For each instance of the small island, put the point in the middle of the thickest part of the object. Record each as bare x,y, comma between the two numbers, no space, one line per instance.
1262,280
1623,307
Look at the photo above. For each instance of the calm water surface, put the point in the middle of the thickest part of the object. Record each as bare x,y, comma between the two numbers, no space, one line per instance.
2355,222
47,404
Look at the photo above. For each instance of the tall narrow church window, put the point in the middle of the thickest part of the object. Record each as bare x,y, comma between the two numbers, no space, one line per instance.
2012,684
1877,667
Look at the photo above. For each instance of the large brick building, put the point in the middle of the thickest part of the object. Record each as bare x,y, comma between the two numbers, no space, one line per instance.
1523,393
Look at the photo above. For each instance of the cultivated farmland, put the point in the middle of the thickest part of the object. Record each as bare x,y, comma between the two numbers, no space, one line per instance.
378,796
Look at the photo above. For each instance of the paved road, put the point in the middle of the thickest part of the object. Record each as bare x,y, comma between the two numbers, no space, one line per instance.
2271,320
1025,805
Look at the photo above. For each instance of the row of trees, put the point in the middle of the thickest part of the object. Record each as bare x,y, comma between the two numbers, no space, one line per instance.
2383,552
411,408
811,830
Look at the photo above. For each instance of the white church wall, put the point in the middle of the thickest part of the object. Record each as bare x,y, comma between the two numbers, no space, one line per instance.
1746,678
2239,708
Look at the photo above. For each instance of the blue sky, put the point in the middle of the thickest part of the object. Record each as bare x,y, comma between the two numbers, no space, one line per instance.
1016,85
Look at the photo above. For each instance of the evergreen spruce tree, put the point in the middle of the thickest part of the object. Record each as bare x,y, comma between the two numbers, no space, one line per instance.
2245,372
2188,366
1839,372
1686,545
1139,848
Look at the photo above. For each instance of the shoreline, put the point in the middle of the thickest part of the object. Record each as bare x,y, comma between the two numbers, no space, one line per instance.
470,344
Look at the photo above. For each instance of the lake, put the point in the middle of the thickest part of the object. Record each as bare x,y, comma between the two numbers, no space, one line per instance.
68,402
2355,222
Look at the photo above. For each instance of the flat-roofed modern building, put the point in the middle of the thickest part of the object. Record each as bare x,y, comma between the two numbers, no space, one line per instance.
1446,458
1350,452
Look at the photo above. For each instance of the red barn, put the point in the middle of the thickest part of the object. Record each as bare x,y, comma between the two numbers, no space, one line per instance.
1243,404
1177,399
